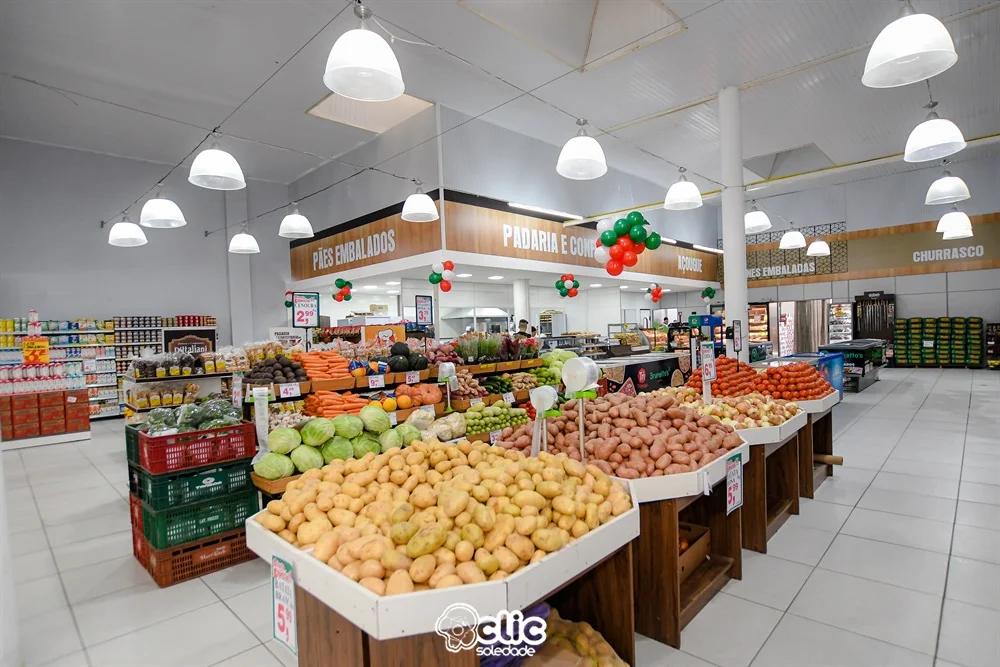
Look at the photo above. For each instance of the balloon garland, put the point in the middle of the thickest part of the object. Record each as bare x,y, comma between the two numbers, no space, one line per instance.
654,293
622,241
568,285
442,273
343,292
288,299
708,294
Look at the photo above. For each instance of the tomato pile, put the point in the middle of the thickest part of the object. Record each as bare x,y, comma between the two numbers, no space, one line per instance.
798,382
733,378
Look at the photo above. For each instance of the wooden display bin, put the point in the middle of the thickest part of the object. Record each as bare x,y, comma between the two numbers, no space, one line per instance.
699,539
530,363
342,384
816,438
508,366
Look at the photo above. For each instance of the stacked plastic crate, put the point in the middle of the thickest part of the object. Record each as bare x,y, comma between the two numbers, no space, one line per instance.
191,494
975,342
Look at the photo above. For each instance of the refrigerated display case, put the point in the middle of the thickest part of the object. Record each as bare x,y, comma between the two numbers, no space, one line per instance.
841,324
786,328
757,323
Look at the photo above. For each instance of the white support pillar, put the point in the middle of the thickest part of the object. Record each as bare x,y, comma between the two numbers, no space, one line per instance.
522,302
733,235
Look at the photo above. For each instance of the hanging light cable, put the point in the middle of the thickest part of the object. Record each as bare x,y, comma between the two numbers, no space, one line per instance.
126,234
362,65
946,190
755,221
160,213
792,239
419,207
934,138
295,225
215,169
682,195
912,48
582,157
243,243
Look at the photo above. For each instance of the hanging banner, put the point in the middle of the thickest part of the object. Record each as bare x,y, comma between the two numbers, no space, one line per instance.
288,336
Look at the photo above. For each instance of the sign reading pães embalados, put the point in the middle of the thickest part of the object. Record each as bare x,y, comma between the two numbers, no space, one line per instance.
348,252
781,270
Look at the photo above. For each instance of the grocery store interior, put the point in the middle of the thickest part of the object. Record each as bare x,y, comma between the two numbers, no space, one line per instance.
661,333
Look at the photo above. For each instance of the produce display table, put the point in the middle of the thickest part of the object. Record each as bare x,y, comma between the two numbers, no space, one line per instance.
771,480
342,624
816,438
674,587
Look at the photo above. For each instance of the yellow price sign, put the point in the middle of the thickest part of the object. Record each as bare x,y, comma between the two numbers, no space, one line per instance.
36,350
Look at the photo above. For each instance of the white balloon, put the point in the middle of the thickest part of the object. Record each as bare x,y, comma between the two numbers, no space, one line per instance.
652,285
605,224
437,268
448,274
601,255
649,296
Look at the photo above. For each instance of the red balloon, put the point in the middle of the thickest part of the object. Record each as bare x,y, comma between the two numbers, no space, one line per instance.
598,244
629,258
448,265
614,267
616,251
657,291
569,277
656,299
338,297
345,290
573,291
563,277
445,286
626,243
639,247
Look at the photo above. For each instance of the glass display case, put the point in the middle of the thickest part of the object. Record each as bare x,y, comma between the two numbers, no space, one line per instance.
757,323
841,322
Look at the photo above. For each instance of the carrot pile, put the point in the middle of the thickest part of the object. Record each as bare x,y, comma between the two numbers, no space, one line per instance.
324,365
331,403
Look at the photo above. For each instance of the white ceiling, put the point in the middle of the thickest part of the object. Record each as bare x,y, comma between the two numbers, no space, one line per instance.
196,61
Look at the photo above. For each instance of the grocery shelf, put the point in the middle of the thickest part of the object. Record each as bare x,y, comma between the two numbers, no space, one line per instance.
193,326
74,345
104,398
150,342
138,328
113,384
105,416
174,378
71,331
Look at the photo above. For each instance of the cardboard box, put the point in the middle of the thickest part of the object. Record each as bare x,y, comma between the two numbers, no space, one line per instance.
24,401
76,396
50,398
48,414
699,546
31,431
24,418
82,412
5,404
76,425
52,428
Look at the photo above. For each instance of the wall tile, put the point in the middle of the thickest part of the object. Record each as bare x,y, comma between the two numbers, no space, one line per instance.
934,304
964,281
817,291
983,303
921,284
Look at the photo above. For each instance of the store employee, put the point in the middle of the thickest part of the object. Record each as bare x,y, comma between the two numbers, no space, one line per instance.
522,329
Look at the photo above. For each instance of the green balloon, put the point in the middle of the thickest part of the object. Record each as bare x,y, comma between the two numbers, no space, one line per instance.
635,218
609,237
653,241
563,291
347,297
637,233
621,226
288,304
560,284
339,282
435,278
349,284
576,283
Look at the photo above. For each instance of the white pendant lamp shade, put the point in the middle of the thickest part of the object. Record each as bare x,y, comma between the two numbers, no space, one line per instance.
581,158
954,221
947,190
792,239
955,234
295,226
160,213
756,221
362,65
419,207
215,169
126,234
243,244
933,139
912,48
818,249
682,195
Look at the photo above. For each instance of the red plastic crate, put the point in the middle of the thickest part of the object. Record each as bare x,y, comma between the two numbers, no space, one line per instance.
196,559
169,453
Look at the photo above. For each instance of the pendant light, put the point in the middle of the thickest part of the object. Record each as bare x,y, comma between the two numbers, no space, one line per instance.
756,221
818,248
934,138
912,48
947,190
792,239
682,195
362,65
295,225
953,222
419,207
243,243
160,213
215,169
582,157
126,234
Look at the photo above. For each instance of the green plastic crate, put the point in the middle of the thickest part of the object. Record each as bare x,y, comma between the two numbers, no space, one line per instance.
168,528
179,489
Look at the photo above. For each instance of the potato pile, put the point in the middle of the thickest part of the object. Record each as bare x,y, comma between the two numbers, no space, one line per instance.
749,411
632,437
523,382
437,515
566,640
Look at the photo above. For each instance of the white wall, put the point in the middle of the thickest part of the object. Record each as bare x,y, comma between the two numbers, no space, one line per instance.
359,303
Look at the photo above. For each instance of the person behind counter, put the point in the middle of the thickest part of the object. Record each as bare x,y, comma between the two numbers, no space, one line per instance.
522,329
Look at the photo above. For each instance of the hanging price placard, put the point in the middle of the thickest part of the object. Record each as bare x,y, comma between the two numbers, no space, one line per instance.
734,482
494,436
36,350
707,361
238,388
508,397
283,603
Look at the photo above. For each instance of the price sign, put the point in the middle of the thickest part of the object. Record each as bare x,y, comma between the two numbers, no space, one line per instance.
260,398
928,343
392,418
737,335
425,309
508,397
494,436
734,482
238,388
89,366
707,361
412,377
476,401
428,408
36,350
283,603
289,390
376,382
305,309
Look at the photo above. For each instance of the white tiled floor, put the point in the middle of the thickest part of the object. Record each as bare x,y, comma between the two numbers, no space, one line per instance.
894,563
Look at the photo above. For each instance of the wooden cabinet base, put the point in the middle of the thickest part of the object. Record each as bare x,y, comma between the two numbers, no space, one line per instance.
770,490
815,438
664,605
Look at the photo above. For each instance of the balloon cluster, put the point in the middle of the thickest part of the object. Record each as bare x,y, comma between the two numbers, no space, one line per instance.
442,273
343,292
622,241
568,285
708,294
654,293
288,299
